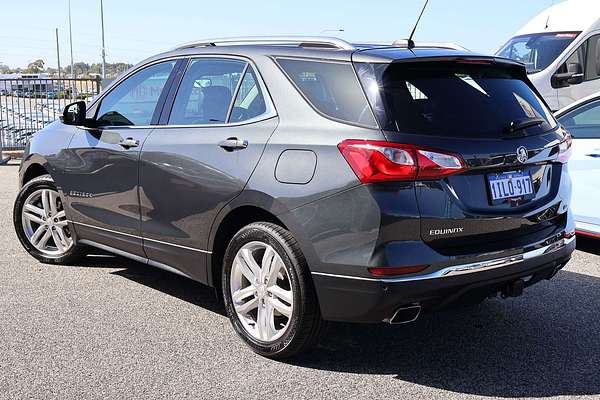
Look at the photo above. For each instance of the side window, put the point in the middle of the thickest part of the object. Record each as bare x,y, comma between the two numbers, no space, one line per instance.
585,60
576,61
206,92
249,101
584,122
330,87
133,101
592,65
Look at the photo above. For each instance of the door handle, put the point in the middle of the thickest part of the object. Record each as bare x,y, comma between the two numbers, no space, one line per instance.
129,143
232,144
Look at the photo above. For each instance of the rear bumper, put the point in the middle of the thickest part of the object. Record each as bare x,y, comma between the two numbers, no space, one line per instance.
362,299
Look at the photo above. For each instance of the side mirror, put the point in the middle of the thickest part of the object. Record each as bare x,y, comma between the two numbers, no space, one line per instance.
573,76
74,114
576,71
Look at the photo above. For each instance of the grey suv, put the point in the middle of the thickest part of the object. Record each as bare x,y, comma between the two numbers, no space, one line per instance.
310,179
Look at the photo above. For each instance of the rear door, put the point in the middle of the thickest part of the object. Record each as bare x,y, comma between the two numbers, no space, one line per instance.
214,129
584,125
488,114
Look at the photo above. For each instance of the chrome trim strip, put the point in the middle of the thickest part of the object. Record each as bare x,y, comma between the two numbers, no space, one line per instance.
141,237
114,251
134,257
463,269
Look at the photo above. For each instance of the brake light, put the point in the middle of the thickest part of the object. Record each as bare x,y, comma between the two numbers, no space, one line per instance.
564,149
380,161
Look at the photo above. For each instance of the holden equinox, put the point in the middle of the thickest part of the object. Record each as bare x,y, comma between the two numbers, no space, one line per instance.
309,179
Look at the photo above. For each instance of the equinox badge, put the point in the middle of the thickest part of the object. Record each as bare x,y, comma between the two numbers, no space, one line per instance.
447,231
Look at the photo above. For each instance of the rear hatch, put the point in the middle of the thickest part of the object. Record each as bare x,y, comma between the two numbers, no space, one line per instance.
487,114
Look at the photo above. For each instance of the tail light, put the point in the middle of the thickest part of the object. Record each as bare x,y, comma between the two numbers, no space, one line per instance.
564,149
379,161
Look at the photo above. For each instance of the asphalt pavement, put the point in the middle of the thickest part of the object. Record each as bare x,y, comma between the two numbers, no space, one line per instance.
111,328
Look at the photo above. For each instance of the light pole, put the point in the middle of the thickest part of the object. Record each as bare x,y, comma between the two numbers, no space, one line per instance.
103,47
58,53
71,43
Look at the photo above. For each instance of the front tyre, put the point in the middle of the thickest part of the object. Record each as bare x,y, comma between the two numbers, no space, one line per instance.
268,293
41,223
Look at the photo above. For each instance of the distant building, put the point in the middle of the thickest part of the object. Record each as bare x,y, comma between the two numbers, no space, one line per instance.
26,82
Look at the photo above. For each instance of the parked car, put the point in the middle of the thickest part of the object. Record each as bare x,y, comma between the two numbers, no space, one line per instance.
582,120
310,180
560,49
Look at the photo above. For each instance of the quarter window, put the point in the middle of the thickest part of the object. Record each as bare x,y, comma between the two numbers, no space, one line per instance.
206,92
249,101
332,88
134,100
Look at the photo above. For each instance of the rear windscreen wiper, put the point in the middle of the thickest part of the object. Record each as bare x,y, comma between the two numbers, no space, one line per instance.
521,124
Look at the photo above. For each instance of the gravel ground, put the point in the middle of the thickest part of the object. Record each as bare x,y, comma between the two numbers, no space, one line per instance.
111,328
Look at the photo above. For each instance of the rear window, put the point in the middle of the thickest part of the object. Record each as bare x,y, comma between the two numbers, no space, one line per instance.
451,99
330,87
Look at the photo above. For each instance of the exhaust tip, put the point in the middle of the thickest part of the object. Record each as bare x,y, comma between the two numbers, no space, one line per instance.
406,314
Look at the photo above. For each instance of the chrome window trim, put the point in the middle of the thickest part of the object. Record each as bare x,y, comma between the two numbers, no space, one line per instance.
140,237
462,269
270,112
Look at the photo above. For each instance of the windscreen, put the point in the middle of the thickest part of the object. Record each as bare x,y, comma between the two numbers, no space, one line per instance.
453,99
537,51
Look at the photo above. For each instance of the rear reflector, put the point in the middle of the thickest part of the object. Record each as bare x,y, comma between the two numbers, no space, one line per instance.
380,161
393,271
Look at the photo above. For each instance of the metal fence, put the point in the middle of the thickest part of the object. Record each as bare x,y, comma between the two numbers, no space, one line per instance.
27,105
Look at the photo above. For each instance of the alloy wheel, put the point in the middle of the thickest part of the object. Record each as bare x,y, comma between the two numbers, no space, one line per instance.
45,223
261,291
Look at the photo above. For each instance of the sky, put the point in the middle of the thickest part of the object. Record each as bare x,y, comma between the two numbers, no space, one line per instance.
136,29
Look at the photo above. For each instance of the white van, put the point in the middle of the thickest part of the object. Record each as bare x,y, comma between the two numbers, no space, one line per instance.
561,50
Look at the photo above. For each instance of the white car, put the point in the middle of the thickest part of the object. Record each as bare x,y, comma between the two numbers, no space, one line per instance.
582,119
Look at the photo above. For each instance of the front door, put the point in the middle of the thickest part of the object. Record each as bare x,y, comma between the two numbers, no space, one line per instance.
200,159
101,172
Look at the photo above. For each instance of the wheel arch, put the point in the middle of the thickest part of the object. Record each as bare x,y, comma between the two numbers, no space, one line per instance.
230,223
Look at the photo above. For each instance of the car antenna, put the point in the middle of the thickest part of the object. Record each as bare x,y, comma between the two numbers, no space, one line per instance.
411,43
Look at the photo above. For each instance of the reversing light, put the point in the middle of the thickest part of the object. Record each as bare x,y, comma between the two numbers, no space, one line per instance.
380,161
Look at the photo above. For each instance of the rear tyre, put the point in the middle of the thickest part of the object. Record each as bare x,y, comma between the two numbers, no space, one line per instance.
268,294
41,223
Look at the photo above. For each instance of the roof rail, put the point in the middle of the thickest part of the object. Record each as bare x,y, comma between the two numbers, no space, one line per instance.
302,41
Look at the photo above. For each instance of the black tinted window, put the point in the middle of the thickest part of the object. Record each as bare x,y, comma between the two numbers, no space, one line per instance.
249,102
133,101
449,99
583,122
331,87
206,92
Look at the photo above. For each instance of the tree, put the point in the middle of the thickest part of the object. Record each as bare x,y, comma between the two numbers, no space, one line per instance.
35,67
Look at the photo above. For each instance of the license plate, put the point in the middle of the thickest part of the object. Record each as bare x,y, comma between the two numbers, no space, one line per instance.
510,184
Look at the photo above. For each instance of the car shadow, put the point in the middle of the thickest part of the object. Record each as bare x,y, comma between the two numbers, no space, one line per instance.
166,282
546,343
589,245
